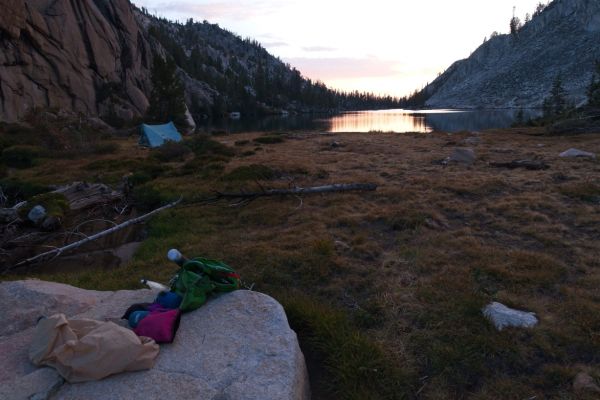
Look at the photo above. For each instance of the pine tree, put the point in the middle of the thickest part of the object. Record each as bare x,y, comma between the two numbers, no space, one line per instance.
167,100
556,103
593,92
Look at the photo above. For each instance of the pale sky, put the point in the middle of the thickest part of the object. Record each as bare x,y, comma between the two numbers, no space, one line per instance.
382,46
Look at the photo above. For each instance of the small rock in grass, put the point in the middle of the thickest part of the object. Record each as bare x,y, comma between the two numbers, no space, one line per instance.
464,155
576,153
585,383
502,316
37,214
473,141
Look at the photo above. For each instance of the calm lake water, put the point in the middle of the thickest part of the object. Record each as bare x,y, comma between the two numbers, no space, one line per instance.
400,121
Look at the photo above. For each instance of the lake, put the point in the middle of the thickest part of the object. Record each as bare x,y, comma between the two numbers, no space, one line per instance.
400,121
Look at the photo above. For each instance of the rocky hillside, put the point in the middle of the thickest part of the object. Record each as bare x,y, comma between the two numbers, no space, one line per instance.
518,70
95,57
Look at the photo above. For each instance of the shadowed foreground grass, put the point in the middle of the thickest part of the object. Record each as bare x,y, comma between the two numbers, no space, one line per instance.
385,289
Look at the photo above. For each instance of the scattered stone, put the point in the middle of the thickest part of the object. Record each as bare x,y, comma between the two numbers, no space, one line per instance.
576,153
463,155
335,144
533,165
341,246
583,382
502,316
37,214
501,150
237,346
472,141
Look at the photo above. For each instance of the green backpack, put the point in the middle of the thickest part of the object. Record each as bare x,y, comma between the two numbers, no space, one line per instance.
199,277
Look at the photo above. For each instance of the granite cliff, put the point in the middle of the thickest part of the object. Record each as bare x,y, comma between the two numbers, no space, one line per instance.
512,71
67,54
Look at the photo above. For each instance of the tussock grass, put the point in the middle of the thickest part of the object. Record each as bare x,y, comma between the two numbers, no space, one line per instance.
355,366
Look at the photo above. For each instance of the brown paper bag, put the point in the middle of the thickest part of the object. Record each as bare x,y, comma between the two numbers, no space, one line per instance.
85,349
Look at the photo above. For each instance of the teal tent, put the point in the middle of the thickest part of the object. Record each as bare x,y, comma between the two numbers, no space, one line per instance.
157,135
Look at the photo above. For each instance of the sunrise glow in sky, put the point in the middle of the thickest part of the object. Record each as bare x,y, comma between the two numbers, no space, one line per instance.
384,46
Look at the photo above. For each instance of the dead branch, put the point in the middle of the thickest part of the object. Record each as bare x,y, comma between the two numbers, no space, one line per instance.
58,251
244,197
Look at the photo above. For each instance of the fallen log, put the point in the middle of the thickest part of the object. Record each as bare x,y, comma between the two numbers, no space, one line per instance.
338,187
58,251
532,165
82,195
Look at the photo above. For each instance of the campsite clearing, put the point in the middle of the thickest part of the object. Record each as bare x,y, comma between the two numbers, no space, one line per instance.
386,288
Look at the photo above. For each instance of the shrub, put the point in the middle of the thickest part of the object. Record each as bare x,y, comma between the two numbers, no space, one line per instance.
21,156
16,190
171,151
202,145
104,148
147,198
251,173
269,139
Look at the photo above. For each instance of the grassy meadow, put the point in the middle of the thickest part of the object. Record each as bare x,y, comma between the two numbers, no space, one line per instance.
385,288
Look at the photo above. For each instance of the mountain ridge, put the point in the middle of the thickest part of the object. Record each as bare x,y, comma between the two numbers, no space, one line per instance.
517,71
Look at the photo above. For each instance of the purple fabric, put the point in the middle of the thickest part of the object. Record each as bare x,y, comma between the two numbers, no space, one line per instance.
156,307
161,324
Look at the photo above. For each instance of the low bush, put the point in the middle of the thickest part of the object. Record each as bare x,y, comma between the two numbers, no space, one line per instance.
251,172
16,190
21,156
269,139
202,145
104,148
171,151
147,198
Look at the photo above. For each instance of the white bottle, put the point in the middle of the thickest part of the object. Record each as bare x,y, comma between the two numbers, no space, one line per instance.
176,256
155,285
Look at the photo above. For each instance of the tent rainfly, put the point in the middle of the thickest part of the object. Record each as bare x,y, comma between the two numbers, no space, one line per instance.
157,135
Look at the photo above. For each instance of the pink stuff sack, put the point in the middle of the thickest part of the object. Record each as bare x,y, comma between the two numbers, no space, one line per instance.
160,325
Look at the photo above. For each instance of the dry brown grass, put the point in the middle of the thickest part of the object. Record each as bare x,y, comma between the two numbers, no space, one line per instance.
412,264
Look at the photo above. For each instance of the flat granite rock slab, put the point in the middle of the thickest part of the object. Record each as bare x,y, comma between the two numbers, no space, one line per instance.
237,346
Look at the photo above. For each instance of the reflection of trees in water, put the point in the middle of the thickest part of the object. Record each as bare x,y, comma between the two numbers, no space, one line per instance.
269,124
475,120
398,121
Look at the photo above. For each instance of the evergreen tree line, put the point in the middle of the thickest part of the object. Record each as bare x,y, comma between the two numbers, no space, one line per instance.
556,105
247,78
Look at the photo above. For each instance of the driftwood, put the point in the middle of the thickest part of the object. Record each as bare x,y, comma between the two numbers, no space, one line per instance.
527,164
58,251
81,195
246,197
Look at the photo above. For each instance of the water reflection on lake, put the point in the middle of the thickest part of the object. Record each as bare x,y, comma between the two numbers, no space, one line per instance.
399,121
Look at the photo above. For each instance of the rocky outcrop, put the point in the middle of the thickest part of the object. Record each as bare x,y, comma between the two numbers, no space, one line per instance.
86,56
518,71
237,346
